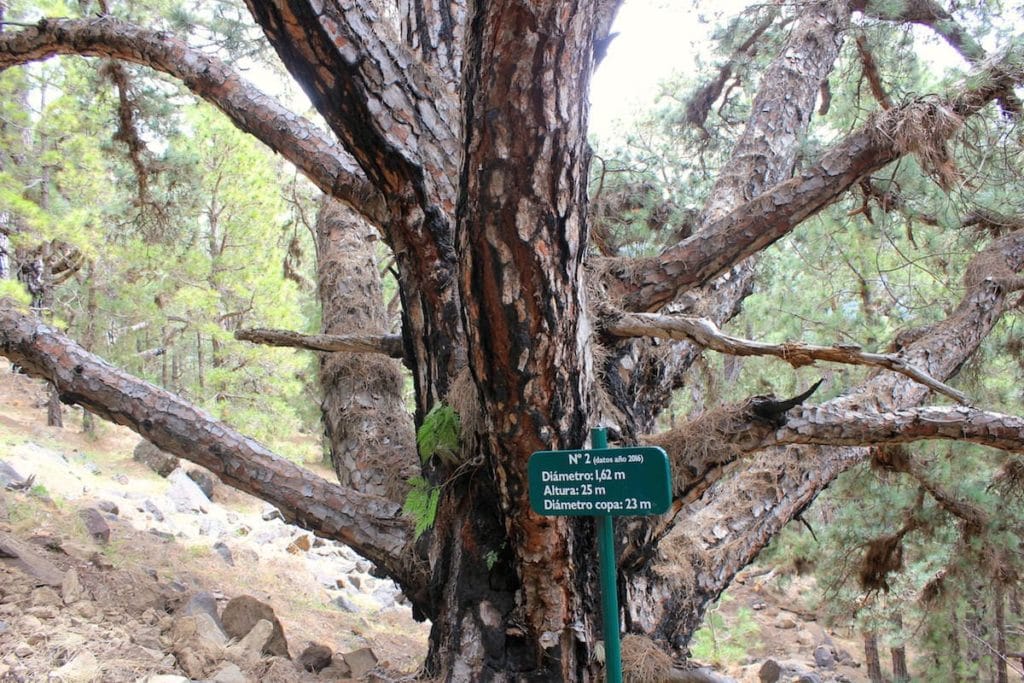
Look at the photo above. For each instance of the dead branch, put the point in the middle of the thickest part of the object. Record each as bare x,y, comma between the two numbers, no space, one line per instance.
699,103
706,333
386,344
871,72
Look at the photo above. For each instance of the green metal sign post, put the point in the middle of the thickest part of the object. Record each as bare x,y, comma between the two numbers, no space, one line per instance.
602,482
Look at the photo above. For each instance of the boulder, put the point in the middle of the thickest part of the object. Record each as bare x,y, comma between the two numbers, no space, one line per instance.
770,671
159,461
224,551
250,648
241,614
95,525
823,657
204,480
149,506
230,673
270,512
9,476
316,657
203,602
185,493
82,668
360,662
108,507
197,643
71,588
46,596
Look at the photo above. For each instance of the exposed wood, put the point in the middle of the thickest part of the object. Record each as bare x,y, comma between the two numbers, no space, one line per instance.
704,332
386,344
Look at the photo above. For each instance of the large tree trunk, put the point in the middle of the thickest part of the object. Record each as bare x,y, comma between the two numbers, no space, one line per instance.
528,346
369,431
999,619
874,664
900,671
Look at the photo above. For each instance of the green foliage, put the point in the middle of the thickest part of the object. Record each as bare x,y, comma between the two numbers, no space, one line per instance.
439,434
725,640
421,504
12,289
491,558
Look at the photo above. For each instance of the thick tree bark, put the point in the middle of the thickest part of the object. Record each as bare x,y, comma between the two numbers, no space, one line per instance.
898,653
874,664
526,320
369,431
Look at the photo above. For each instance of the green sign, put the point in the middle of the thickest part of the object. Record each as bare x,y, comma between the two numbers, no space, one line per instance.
603,481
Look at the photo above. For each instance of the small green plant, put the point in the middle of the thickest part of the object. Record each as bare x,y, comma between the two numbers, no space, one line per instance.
720,642
421,504
491,558
439,435
21,515
199,552
12,289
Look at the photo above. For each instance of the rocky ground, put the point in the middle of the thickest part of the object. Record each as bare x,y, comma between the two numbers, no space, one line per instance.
111,572
118,563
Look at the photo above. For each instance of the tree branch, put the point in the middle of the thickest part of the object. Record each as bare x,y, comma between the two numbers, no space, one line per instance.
926,13
647,284
372,526
641,377
831,426
393,113
934,16
387,344
745,511
295,138
704,332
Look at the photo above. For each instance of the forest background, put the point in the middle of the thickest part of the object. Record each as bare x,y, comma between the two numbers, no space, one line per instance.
141,221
